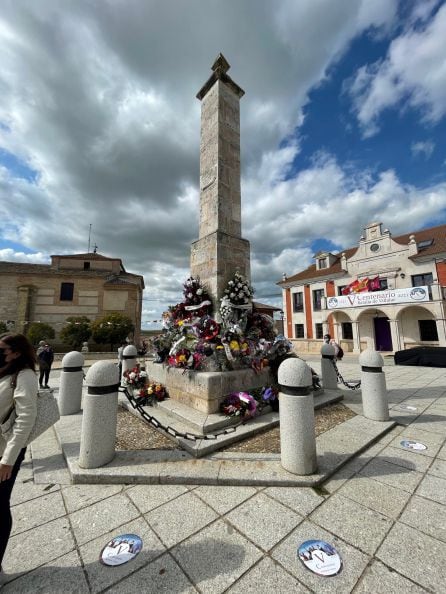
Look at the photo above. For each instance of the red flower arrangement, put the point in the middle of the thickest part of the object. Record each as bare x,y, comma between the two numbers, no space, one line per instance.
151,393
182,358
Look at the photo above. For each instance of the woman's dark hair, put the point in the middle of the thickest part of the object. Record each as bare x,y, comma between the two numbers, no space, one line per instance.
18,343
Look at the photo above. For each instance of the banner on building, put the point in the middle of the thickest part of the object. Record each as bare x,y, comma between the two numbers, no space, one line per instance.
389,297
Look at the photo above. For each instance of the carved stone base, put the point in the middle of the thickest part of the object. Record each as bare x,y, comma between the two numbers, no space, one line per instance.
204,391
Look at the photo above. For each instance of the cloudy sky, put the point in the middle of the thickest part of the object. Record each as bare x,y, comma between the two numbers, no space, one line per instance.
343,122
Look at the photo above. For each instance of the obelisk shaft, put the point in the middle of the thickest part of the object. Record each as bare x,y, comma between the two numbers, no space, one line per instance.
220,249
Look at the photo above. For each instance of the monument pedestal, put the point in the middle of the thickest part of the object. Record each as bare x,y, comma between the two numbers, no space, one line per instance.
204,391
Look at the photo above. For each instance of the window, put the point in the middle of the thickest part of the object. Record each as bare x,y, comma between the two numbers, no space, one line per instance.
323,263
319,331
347,330
425,243
317,299
66,291
86,265
299,331
420,280
382,284
341,288
428,330
298,302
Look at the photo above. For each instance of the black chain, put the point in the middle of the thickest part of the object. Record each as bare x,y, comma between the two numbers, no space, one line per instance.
351,385
151,420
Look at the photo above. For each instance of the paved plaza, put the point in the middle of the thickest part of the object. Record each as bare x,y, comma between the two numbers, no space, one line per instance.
384,511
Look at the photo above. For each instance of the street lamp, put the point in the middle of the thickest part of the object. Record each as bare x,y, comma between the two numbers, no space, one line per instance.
282,317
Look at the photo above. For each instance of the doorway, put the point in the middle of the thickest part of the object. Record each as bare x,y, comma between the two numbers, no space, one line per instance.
383,336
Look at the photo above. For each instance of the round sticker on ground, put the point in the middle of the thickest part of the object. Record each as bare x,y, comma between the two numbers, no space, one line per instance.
408,407
121,549
413,445
320,557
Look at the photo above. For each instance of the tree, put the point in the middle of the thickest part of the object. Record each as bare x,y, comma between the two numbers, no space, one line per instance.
38,331
76,331
112,328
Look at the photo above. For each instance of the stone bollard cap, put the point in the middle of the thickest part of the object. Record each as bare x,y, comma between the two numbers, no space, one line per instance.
102,373
73,359
130,349
328,349
370,358
295,373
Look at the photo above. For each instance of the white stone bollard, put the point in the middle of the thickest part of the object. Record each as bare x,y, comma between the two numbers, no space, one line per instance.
296,413
375,403
98,434
129,360
71,378
328,372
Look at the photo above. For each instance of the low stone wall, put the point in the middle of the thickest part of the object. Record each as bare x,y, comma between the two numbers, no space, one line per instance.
205,390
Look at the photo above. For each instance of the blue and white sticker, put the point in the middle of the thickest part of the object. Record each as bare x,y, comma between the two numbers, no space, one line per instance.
121,549
320,557
413,445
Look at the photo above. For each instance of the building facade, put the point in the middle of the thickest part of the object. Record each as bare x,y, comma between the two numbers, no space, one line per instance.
88,285
388,294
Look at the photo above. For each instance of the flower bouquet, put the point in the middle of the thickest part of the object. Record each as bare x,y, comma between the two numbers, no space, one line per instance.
135,378
151,393
239,404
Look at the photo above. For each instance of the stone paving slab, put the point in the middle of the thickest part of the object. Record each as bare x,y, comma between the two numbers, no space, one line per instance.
361,526
267,577
263,520
163,575
433,487
375,495
215,557
63,575
415,555
378,578
427,516
37,547
224,499
99,518
30,514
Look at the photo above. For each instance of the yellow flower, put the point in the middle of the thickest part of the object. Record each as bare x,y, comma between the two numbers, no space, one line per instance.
150,390
182,358
180,322
234,345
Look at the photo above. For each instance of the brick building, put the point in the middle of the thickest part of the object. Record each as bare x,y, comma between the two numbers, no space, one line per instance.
388,293
88,285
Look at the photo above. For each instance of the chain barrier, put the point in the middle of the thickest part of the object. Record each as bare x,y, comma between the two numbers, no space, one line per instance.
351,385
151,420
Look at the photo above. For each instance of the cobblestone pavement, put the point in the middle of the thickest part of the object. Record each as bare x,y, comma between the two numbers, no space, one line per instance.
385,512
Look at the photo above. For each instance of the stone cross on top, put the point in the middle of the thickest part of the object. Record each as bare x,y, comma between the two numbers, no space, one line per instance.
220,249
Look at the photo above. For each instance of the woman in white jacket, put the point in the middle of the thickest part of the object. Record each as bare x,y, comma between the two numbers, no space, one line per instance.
17,366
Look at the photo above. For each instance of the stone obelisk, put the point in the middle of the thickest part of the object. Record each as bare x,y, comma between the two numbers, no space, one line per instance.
220,250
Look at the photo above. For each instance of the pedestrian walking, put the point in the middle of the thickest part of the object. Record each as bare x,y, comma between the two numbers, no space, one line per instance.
45,357
18,392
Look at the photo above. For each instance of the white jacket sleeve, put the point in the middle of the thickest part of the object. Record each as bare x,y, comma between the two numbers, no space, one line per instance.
25,401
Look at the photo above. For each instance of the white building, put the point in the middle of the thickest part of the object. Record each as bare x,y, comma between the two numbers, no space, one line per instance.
391,317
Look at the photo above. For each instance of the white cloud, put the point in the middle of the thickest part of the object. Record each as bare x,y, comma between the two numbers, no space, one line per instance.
422,148
412,75
10,255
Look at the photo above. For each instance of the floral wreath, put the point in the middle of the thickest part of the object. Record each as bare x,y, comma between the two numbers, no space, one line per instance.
207,328
195,295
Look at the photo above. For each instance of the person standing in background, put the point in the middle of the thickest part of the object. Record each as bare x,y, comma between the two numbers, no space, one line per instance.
45,357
